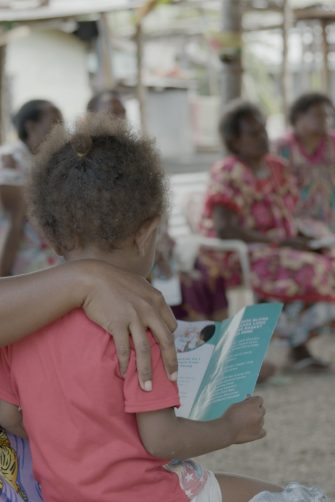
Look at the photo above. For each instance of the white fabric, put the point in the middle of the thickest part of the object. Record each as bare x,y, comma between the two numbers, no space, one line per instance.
294,492
15,176
211,492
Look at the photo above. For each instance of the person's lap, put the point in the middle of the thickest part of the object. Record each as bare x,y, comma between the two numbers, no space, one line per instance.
17,483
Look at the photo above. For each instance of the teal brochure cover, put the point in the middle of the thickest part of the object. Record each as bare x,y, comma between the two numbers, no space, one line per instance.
219,363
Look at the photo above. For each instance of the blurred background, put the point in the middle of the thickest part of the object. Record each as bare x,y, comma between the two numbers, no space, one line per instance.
175,64
194,55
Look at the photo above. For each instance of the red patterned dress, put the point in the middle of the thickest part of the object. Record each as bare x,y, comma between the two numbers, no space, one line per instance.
267,205
315,175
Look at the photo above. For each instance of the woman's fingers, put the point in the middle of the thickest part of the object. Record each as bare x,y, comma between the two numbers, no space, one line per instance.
163,311
165,340
143,354
122,347
161,322
125,304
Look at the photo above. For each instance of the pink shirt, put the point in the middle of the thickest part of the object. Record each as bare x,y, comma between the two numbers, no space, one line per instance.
80,415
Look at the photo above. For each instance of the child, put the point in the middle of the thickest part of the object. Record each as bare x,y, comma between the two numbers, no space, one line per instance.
100,193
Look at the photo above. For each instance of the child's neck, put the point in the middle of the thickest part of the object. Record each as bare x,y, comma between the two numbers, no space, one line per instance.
121,258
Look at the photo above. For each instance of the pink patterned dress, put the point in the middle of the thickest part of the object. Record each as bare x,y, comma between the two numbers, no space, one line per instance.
266,205
33,253
315,175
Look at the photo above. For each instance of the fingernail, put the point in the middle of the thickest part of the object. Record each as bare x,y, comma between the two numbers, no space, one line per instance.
148,385
173,376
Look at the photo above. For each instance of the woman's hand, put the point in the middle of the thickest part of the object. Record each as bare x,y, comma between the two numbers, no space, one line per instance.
125,304
122,303
300,243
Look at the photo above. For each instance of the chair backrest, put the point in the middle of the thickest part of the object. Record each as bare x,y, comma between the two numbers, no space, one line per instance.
187,192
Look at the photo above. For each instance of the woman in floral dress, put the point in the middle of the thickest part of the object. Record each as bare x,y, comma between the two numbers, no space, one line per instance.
309,149
252,196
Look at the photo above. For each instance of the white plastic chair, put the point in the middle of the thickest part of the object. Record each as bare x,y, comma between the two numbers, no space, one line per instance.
189,241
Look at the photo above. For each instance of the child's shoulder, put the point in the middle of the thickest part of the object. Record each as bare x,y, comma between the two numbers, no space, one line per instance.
74,326
76,319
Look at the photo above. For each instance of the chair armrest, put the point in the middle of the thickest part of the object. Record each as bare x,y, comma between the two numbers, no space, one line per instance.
240,248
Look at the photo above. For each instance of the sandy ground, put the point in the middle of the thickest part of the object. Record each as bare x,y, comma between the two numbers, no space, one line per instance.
300,424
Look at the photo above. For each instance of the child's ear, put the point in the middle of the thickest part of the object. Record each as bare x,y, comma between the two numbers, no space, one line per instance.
145,234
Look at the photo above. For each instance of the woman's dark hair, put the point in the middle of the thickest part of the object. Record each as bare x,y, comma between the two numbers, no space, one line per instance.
93,104
207,332
230,123
96,185
306,101
32,111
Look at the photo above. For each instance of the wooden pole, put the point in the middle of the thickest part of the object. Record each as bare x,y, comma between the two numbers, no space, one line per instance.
147,7
140,87
231,73
3,109
106,79
325,61
285,73
304,77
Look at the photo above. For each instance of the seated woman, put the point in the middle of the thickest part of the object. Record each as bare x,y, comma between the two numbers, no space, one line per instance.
310,151
251,196
23,250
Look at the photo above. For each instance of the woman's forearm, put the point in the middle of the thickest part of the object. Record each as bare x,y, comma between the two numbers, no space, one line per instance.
28,302
227,226
248,236
120,302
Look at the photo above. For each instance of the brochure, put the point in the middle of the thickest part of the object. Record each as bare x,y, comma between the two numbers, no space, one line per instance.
219,363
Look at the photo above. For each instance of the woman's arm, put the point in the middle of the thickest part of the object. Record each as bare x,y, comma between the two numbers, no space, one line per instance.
120,302
13,205
227,226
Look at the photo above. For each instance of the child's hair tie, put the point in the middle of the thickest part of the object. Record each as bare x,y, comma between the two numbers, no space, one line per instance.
82,144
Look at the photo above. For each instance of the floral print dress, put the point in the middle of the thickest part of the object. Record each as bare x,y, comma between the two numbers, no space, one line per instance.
304,280
267,205
33,252
315,176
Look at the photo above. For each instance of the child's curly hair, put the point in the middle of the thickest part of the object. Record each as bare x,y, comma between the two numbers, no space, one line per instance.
95,185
